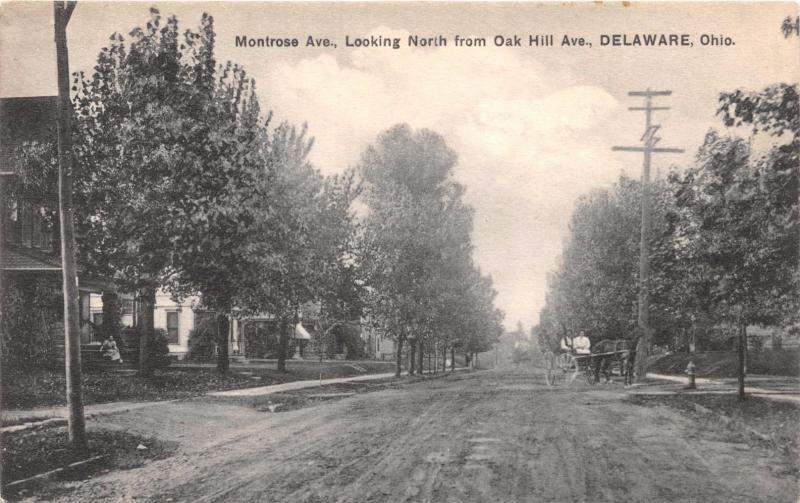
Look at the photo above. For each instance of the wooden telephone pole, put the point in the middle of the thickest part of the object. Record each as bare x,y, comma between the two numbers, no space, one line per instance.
72,337
648,148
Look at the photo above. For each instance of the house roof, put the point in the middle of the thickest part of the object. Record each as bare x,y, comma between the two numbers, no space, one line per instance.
30,118
16,259
26,259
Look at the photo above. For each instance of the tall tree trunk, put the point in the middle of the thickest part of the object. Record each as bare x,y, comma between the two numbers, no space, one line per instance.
741,349
112,324
420,357
72,342
282,343
435,352
399,360
412,353
444,357
452,358
147,303
223,333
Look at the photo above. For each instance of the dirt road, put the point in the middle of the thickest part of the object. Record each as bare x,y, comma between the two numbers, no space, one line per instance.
485,436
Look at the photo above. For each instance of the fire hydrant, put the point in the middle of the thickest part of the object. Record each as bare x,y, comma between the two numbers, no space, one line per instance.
690,371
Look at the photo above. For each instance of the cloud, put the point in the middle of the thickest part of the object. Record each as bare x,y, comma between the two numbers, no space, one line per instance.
526,142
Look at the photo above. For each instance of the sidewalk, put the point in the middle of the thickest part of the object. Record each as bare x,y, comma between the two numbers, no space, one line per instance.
58,415
295,385
771,387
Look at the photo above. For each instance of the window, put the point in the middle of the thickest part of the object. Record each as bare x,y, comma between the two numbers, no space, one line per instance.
127,306
173,324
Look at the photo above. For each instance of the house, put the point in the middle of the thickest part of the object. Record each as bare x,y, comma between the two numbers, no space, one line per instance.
30,246
177,319
771,337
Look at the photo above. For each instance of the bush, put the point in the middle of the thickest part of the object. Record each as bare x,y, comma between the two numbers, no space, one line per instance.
158,350
31,327
261,340
345,339
203,340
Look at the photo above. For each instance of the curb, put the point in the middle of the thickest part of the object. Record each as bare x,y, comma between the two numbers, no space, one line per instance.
755,391
52,473
53,421
682,380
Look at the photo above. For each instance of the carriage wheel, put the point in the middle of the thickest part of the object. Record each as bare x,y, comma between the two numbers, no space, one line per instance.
569,366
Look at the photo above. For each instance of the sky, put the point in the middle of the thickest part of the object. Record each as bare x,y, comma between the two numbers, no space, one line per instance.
533,127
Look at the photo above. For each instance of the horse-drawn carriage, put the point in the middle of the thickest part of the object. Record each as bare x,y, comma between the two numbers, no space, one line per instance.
608,357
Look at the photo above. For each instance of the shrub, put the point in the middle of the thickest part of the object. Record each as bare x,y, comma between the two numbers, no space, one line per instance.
261,339
203,340
158,350
31,328
345,339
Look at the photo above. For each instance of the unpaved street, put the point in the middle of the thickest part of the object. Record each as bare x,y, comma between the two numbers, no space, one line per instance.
483,436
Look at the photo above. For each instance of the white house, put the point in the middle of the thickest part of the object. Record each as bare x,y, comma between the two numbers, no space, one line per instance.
177,319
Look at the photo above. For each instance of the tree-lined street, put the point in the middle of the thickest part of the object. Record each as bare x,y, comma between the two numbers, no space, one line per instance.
298,290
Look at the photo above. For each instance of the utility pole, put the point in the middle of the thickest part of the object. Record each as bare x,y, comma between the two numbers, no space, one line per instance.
648,148
62,11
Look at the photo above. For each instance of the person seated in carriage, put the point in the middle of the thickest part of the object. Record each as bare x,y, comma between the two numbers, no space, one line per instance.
580,345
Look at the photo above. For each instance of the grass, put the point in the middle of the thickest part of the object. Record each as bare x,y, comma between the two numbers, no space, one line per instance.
38,450
784,362
47,388
759,422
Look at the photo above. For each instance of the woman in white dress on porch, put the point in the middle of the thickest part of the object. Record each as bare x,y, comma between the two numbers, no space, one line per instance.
110,350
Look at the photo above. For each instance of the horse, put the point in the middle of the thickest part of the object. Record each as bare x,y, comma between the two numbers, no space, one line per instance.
607,352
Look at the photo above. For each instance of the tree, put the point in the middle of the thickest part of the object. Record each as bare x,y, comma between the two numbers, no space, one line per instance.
339,285
290,225
216,249
417,250
172,148
133,118
405,174
740,213
595,287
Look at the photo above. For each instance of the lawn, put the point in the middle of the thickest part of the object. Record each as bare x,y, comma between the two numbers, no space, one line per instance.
38,450
758,422
47,388
784,362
